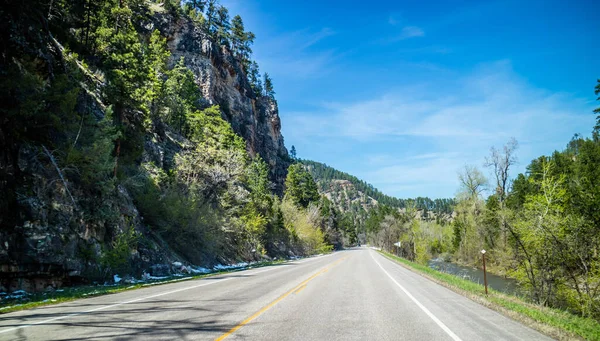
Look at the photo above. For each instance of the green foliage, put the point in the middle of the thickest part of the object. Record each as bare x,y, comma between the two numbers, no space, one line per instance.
254,78
302,223
300,187
597,111
268,84
179,97
568,323
117,258
259,186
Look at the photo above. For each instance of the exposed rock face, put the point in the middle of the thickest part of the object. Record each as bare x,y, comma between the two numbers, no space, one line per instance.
222,81
49,239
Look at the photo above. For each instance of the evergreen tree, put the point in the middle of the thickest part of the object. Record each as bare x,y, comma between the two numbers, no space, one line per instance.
241,42
300,187
293,153
254,77
198,5
268,83
597,111
223,26
238,35
212,18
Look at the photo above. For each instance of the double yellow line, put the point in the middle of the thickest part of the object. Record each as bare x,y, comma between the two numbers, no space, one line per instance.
296,289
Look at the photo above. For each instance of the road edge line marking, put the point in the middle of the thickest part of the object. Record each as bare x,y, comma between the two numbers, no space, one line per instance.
277,300
111,306
419,304
144,298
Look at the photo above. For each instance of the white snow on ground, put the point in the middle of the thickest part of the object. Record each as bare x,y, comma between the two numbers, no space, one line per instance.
199,270
220,267
18,294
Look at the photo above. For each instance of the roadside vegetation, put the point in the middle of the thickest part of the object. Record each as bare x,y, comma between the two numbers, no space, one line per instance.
556,323
541,228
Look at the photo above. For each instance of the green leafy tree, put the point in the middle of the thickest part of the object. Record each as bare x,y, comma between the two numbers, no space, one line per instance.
180,97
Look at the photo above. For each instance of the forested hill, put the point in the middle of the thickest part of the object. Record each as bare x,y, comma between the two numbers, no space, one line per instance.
328,180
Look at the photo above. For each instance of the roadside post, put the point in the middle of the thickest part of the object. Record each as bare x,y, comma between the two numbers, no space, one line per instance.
398,246
484,272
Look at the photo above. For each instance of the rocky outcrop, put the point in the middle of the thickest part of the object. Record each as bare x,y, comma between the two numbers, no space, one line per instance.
222,81
55,232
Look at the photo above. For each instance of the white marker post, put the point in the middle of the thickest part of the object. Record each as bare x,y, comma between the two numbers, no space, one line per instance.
398,246
484,272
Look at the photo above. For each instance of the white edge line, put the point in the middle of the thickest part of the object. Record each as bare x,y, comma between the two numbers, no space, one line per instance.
111,306
429,313
140,299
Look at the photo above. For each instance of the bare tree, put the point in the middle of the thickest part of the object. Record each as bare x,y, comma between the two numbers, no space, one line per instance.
472,181
501,161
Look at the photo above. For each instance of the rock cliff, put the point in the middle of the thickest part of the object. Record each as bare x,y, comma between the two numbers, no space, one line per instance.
52,234
222,80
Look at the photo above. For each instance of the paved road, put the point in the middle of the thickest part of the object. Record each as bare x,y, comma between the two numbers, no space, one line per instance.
350,295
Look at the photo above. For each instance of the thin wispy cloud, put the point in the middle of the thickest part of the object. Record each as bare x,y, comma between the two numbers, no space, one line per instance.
291,54
411,32
407,32
314,38
440,126
392,20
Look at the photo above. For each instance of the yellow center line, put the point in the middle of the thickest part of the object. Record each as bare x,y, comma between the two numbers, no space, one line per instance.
298,288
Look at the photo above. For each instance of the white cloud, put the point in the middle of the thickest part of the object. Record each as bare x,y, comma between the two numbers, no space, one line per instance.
289,55
393,21
411,32
438,127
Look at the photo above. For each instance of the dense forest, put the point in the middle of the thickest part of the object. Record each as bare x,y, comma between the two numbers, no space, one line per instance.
541,227
115,158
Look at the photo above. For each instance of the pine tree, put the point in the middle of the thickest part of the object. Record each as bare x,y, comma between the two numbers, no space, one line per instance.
223,26
212,18
300,187
241,42
269,92
238,35
597,111
254,77
198,5
293,153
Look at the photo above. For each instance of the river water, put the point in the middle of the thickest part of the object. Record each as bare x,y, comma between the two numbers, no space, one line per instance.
499,283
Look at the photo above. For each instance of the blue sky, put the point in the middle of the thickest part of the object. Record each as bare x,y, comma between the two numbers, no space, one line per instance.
404,93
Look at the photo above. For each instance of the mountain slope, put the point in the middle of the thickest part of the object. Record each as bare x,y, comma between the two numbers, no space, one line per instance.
351,194
128,141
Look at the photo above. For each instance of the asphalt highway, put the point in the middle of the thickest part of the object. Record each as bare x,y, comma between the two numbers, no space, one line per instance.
355,294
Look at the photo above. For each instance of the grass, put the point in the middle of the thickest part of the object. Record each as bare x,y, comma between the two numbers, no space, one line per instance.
79,292
555,323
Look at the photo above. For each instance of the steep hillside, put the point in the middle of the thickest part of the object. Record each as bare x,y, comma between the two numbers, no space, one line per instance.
130,137
221,77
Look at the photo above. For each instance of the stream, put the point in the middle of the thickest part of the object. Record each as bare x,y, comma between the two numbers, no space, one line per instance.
498,283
